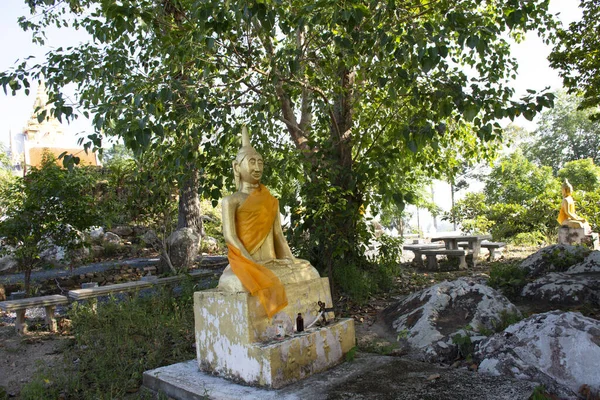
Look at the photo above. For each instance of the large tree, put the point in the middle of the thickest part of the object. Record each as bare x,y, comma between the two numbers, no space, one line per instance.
366,91
565,133
576,56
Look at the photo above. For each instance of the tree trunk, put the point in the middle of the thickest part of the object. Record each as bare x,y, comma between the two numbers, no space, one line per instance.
27,283
344,225
180,252
189,215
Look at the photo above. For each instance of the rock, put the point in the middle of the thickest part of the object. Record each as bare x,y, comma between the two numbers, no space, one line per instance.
2,293
557,349
210,244
96,233
97,251
8,263
150,238
183,244
139,230
122,230
432,317
554,258
111,237
590,264
565,289
53,254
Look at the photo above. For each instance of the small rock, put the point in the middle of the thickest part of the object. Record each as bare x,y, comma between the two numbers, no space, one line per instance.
112,238
122,230
433,377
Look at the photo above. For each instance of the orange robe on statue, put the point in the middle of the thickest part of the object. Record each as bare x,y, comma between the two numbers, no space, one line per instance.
254,220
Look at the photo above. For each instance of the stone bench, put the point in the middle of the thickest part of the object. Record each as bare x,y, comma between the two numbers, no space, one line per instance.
494,249
418,249
92,293
21,305
432,263
130,287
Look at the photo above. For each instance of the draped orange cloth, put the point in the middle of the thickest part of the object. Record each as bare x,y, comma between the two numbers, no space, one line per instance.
254,220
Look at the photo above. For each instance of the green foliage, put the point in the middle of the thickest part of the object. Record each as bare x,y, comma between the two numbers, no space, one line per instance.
534,238
574,55
519,198
116,344
351,354
48,206
138,191
564,134
508,278
563,260
515,180
464,344
507,318
582,174
540,393
353,101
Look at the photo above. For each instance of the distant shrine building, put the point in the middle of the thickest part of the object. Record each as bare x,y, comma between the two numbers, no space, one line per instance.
28,147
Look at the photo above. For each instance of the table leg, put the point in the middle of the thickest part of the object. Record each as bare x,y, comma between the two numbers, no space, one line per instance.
474,249
452,244
50,320
20,324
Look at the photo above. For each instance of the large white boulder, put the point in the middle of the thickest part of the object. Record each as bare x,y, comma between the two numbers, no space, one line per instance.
590,264
580,283
430,318
554,258
560,350
565,289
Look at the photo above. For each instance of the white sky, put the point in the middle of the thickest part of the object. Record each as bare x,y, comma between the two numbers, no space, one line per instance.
534,71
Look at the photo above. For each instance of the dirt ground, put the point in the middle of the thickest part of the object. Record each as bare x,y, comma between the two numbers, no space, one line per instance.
22,356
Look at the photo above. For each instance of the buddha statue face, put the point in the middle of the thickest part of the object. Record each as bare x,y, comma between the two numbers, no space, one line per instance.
250,169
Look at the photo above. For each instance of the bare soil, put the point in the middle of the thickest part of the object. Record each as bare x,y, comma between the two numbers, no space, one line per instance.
22,356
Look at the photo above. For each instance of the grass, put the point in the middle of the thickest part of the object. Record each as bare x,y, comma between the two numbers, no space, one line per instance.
113,347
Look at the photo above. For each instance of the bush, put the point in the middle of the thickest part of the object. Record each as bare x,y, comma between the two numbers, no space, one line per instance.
534,238
508,278
114,346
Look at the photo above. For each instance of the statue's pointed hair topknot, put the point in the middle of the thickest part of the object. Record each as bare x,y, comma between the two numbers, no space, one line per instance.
245,137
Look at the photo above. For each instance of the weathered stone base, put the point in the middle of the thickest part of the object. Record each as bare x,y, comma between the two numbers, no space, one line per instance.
578,236
236,340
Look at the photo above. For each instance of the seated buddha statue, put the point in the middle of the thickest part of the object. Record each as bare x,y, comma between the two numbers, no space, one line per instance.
260,260
567,216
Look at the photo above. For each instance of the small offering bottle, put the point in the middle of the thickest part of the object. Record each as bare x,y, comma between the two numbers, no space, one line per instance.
299,323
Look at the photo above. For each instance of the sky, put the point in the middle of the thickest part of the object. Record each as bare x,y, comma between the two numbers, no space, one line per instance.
534,71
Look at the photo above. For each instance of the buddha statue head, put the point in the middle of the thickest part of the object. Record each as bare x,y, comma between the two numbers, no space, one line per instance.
567,188
248,164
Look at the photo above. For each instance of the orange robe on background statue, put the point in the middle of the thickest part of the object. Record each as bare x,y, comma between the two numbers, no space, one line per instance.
253,221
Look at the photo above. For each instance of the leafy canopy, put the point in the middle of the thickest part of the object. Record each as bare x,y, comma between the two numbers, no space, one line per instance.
575,55
565,133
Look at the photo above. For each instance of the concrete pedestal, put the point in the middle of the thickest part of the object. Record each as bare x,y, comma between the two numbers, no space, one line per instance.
235,339
578,236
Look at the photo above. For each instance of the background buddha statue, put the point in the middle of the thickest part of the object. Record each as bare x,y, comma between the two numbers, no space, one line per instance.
260,259
567,216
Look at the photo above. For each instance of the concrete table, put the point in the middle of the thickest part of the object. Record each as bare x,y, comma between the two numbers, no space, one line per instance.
473,244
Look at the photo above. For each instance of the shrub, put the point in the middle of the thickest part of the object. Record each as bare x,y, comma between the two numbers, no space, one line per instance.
115,345
508,278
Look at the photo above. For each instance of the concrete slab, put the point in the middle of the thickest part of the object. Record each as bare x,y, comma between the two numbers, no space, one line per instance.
368,376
